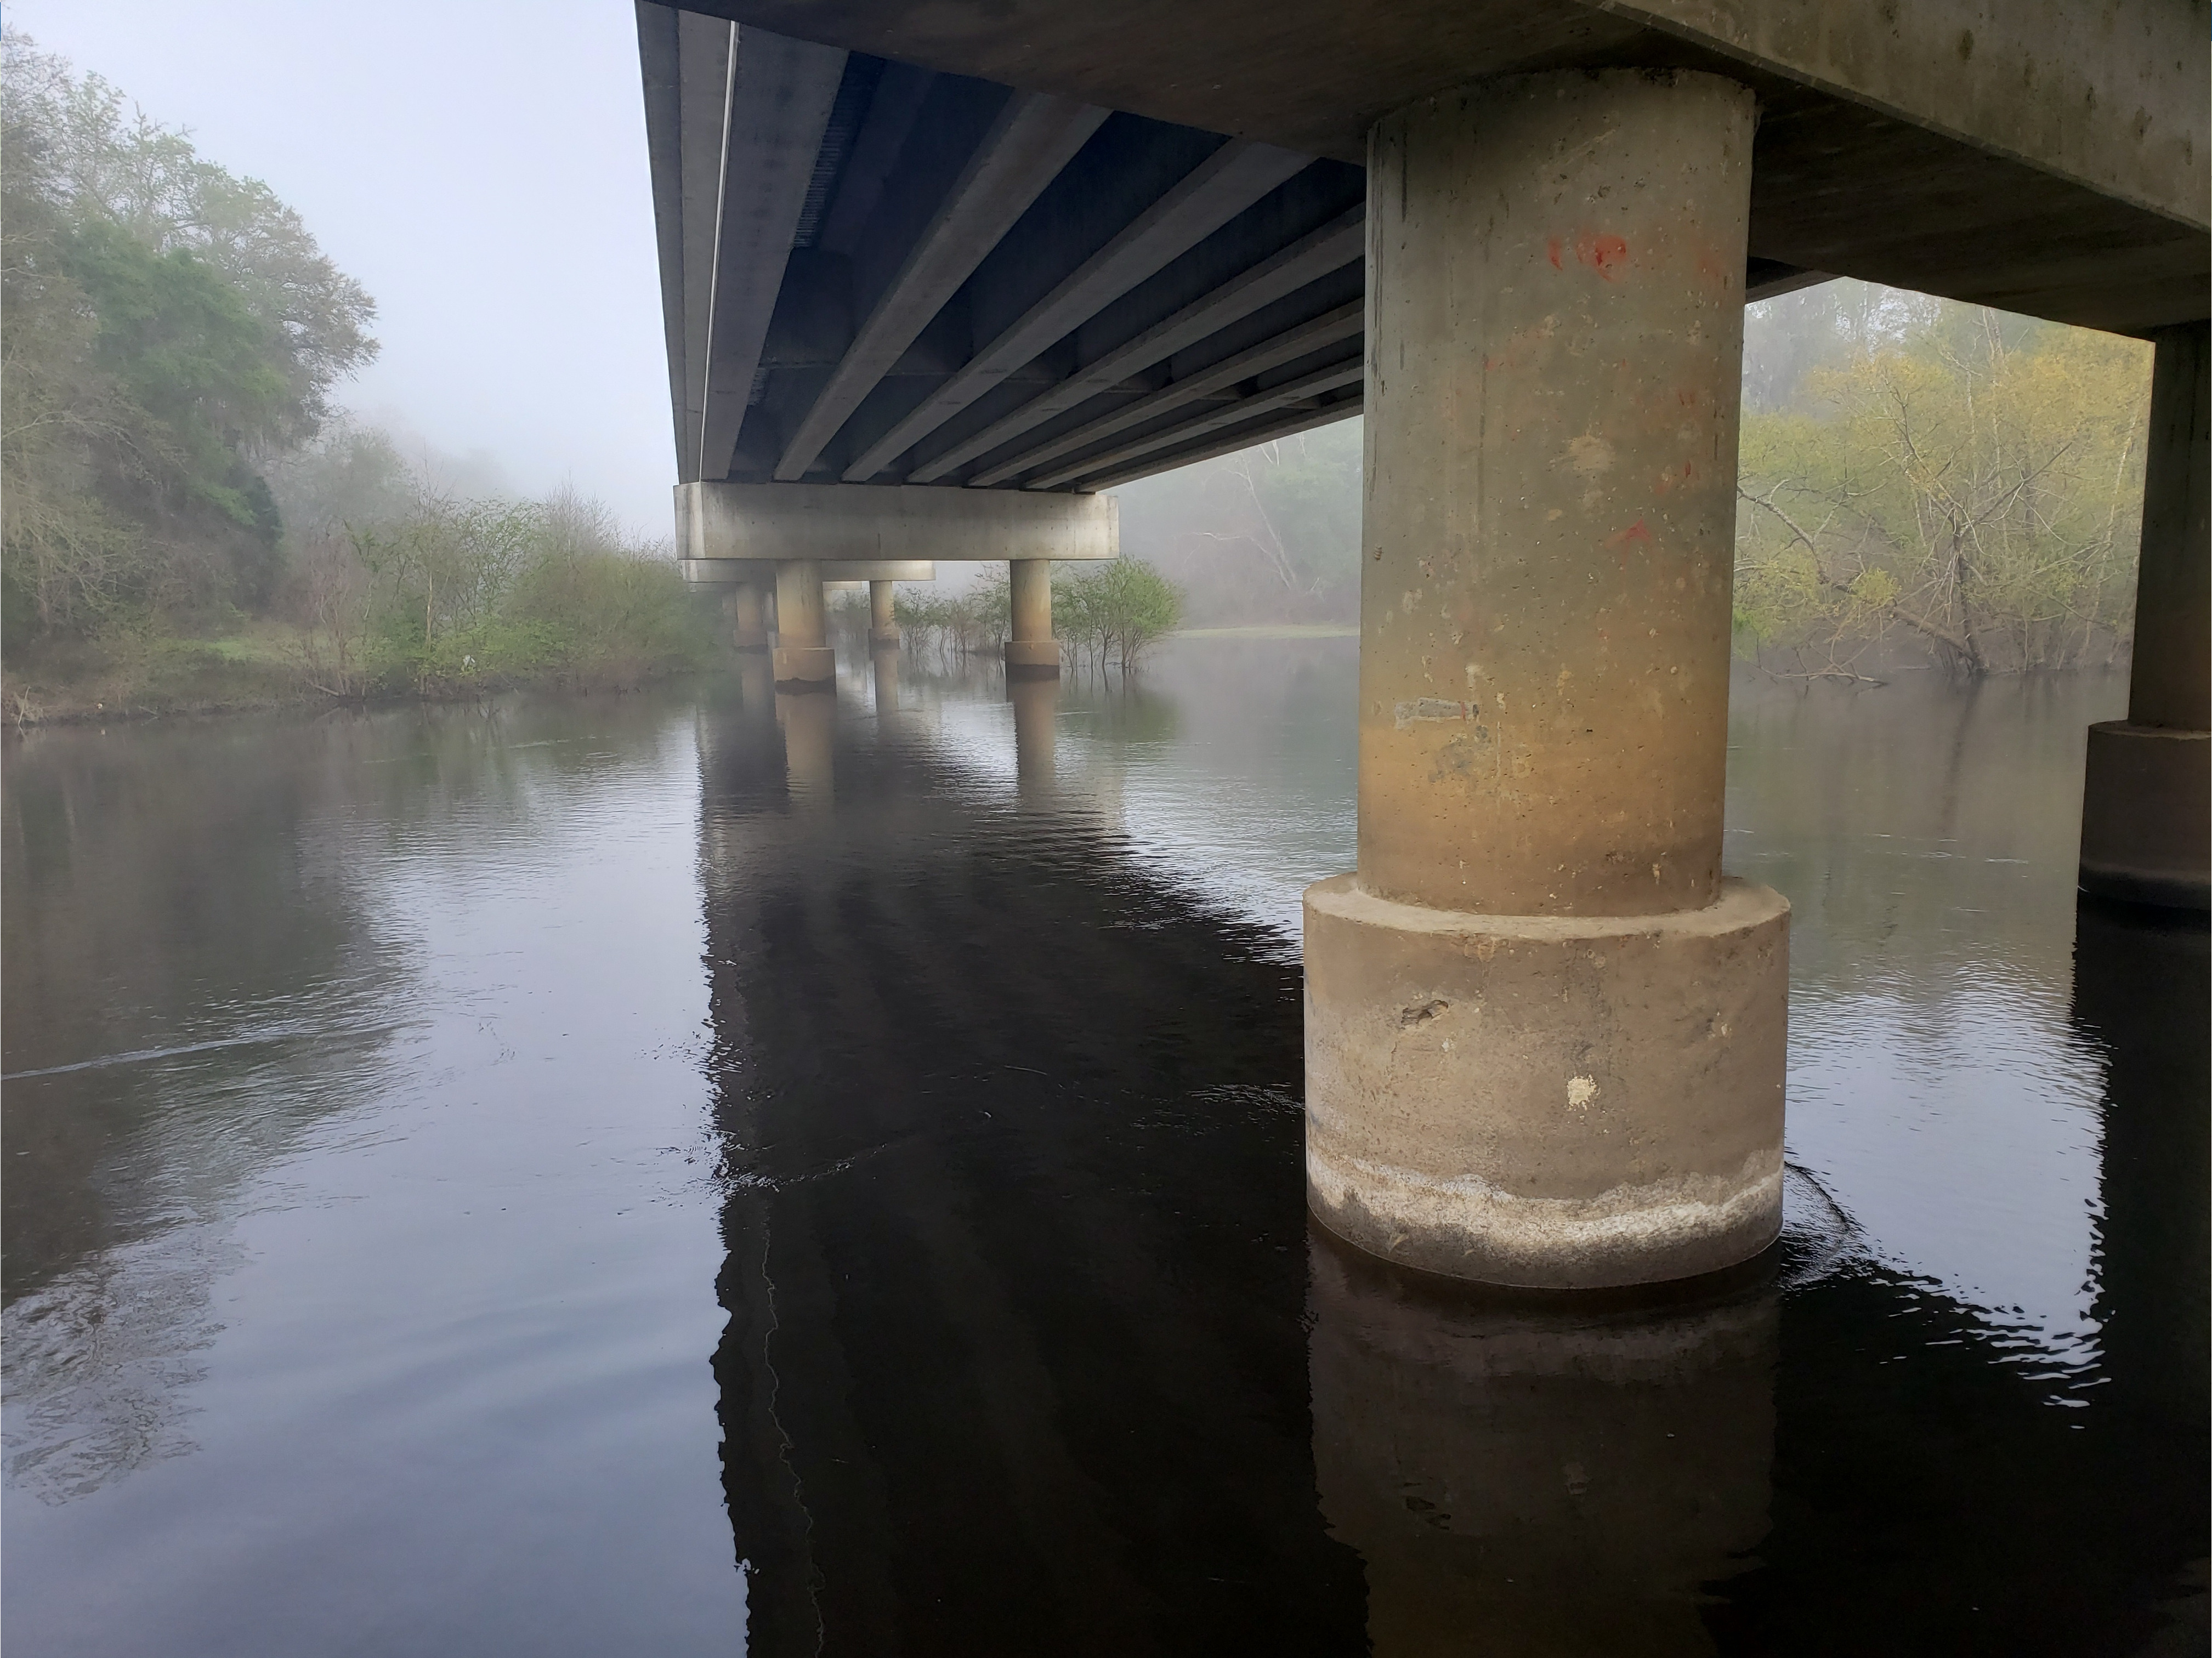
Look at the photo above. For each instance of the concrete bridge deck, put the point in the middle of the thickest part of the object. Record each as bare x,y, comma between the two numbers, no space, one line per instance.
1032,246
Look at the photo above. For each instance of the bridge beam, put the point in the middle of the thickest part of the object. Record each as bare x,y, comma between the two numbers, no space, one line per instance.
1545,1037
2147,794
720,523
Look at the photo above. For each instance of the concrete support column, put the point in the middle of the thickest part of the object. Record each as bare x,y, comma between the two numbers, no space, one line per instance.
804,660
882,625
2147,795
1031,651
748,617
1545,1037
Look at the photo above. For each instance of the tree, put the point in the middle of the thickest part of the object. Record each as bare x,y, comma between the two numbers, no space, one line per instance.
1966,479
1115,610
167,331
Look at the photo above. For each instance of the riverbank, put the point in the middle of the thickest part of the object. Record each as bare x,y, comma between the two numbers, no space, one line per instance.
268,665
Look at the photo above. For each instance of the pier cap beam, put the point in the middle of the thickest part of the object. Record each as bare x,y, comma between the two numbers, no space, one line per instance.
840,523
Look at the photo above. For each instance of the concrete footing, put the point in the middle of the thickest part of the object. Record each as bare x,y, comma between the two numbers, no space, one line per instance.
2147,815
1559,1102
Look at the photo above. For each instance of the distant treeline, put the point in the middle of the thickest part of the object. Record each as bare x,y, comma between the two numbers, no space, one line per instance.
183,515
1920,480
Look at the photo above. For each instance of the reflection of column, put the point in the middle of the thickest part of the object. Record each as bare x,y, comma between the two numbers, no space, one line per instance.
748,625
756,682
1037,709
1523,1478
2143,982
1544,1037
1031,651
2147,794
810,725
804,660
883,624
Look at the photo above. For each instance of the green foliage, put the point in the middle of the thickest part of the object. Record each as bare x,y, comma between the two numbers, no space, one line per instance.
469,595
1947,475
1112,612
166,330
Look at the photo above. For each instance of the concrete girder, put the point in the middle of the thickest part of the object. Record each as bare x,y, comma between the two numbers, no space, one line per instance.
1282,424
1304,389
1336,244
1033,138
779,95
834,524
1330,328
1967,148
742,572
1215,192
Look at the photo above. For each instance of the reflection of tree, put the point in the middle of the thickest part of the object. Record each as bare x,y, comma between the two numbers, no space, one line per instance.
206,961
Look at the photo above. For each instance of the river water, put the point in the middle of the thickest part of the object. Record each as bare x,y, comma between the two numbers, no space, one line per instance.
673,1174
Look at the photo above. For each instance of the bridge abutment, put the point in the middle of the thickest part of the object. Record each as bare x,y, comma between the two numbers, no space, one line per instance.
804,660
2147,792
1031,651
1544,1038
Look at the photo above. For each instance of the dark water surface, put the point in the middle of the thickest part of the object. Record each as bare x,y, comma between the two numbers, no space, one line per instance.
673,1176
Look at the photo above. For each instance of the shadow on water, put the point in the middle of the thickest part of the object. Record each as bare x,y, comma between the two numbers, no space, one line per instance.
1031,1346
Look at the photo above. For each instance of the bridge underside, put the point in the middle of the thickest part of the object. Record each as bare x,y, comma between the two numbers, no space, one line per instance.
879,272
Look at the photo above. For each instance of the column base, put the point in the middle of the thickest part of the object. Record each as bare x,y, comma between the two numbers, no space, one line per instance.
1546,1102
2147,815
887,640
806,668
1032,658
751,639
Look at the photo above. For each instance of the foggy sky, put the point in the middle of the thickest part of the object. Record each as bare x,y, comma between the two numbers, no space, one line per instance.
479,166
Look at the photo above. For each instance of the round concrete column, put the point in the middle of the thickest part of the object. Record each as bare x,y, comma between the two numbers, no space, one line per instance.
1031,651
2146,793
882,625
748,620
804,660
1544,1038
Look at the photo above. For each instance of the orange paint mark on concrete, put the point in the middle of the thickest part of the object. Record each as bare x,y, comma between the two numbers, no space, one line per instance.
1618,540
1603,254
1554,248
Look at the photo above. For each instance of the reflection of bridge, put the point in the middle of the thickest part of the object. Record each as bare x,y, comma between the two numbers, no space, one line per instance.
934,275
1029,1349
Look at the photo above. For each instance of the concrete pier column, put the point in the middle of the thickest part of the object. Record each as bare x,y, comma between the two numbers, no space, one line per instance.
748,617
2146,793
883,624
804,660
1545,1037
1031,651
